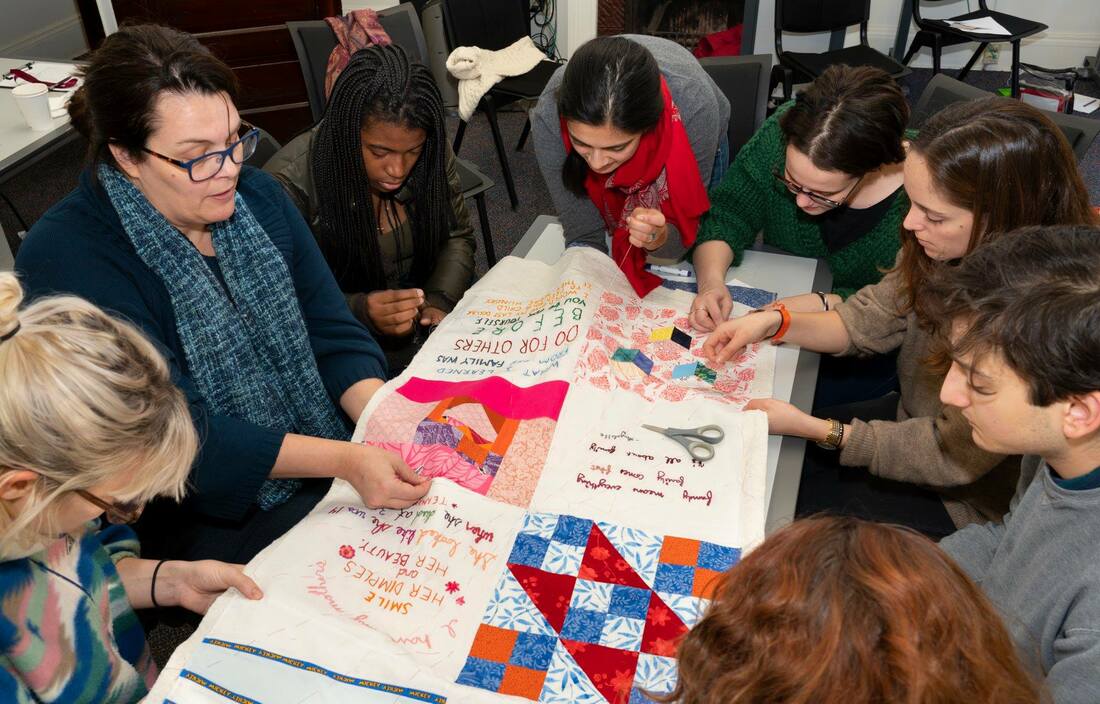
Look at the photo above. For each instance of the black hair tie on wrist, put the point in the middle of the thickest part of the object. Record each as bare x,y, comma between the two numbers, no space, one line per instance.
153,585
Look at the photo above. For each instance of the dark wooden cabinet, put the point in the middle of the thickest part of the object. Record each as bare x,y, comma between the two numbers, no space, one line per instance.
252,39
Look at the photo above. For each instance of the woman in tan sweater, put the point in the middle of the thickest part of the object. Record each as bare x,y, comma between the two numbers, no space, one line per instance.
977,169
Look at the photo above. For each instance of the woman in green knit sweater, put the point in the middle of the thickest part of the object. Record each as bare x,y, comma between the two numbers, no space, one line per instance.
821,178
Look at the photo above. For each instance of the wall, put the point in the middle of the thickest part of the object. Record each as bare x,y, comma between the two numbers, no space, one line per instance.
44,28
576,24
350,5
1074,31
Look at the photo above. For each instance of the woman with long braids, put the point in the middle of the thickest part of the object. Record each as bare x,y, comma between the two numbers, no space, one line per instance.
405,259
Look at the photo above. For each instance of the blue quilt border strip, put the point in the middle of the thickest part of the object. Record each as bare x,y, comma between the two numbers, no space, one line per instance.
408,692
751,297
215,688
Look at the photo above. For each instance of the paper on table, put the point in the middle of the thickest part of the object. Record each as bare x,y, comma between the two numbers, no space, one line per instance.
979,25
59,104
1084,103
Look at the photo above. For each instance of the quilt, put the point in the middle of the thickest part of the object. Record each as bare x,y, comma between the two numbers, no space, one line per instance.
563,549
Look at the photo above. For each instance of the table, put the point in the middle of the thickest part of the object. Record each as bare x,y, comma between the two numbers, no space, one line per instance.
795,368
20,146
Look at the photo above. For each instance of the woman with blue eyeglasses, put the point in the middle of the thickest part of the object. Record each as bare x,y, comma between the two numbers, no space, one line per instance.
170,230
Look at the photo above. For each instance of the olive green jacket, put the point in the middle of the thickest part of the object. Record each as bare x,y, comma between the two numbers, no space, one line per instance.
454,270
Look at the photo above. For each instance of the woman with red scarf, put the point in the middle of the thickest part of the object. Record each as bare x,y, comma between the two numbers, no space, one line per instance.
628,135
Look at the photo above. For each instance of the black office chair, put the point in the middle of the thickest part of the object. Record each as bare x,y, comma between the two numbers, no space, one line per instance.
824,16
265,149
314,41
943,90
12,241
492,25
744,82
938,34
402,23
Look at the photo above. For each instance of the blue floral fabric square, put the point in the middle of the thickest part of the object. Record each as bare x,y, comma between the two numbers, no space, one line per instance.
629,601
533,650
583,625
529,550
573,531
677,579
482,673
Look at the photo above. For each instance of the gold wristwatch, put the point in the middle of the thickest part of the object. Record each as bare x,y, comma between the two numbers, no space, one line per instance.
835,437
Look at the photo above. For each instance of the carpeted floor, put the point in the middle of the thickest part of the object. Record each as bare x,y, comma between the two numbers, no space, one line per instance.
36,189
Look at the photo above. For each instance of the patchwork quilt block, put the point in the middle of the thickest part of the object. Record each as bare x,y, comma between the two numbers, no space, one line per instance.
591,611
643,345
473,432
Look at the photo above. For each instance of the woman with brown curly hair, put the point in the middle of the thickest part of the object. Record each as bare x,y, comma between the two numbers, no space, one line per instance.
843,610
976,170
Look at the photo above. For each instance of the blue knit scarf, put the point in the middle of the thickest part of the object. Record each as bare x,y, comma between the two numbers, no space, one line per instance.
247,347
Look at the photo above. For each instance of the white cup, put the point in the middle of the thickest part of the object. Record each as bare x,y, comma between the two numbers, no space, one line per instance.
34,102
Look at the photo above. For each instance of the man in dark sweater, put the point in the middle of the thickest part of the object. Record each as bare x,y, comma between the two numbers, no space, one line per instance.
1022,326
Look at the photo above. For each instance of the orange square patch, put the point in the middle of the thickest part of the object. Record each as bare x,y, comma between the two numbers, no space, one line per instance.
492,643
704,583
680,551
522,682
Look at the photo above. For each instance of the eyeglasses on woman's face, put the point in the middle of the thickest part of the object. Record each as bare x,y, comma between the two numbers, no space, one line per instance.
117,513
207,166
798,189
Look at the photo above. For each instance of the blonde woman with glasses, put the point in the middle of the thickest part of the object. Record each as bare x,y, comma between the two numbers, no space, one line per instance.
91,427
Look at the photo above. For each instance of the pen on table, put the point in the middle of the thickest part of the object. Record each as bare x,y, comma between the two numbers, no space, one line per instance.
1088,104
63,85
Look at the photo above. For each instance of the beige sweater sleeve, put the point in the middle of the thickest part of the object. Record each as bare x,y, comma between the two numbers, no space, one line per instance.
936,451
934,445
872,318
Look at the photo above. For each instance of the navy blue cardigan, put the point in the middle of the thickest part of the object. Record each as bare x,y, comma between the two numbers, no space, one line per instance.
80,247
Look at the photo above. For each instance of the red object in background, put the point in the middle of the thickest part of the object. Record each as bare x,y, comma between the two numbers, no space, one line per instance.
724,43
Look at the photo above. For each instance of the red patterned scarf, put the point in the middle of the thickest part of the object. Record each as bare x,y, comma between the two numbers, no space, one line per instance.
354,31
662,175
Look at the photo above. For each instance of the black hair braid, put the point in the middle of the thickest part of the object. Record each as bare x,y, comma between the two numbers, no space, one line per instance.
379,83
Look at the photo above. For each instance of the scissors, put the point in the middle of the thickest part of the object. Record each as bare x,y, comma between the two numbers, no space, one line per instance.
699,442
